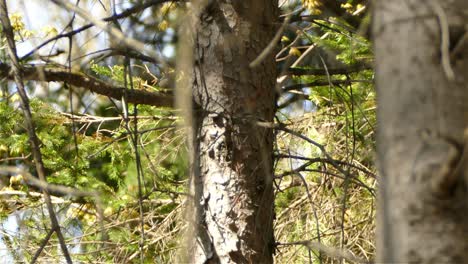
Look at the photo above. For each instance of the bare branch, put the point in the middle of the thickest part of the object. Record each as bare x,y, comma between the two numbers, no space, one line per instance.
42,246
271,45
42,73
45,186
299,86
124,14
111,30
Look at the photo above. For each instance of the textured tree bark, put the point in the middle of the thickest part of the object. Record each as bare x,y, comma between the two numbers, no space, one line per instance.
422,117
232,171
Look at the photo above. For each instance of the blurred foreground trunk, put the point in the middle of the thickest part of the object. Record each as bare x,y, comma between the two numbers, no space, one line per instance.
421,52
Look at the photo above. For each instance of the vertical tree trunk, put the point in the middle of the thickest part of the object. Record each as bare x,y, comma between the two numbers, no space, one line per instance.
232,179
422,117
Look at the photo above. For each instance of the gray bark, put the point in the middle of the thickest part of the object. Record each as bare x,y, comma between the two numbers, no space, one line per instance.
422,118
232,168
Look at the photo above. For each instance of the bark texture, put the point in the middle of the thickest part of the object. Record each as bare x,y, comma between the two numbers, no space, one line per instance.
232,179
423,116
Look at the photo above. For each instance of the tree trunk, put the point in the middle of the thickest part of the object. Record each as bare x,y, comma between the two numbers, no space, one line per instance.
233,167
422,118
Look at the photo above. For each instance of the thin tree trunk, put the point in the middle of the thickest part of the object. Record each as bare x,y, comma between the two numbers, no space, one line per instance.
422,117
232,170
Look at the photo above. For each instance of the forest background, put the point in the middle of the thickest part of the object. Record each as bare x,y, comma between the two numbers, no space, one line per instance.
117,172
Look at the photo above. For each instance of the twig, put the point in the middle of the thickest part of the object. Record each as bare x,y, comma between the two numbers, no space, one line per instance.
331,252
58,190
359,11
86,118
331,71
445,39
134,140
125,135
304,168
321,83
321,147
32,181
308,50
112,31
347,179
124,14
42,246
36,151
314,210
460,45
15,158
344,163
271,45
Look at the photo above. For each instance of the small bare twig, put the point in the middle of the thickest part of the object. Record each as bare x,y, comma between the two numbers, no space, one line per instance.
308,50
42,246
461,45
48,188
30,180
331,71
112,31
124,14
271,45
445,39
331,252
15,158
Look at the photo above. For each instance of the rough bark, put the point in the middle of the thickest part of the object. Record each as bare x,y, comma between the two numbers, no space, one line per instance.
232,170
422,117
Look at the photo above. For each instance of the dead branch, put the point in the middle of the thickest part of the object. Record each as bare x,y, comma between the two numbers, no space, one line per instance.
47,74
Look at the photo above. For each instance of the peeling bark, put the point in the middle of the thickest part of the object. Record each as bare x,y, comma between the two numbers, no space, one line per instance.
422,117
232,170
